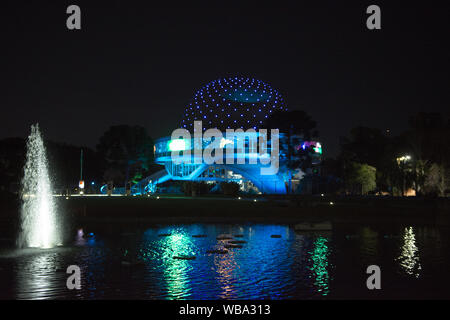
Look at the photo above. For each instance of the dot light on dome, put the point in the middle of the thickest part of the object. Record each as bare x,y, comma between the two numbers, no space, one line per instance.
227,103
236,102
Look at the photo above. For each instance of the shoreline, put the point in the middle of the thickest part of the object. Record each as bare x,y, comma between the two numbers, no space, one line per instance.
257,209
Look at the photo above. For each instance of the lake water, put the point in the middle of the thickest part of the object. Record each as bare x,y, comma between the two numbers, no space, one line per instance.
414,262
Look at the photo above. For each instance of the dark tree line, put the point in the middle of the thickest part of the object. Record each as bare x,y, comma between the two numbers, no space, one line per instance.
372,161
369,161
128,154
124,153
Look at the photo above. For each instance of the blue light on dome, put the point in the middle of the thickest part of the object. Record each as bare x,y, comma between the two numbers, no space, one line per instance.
246,97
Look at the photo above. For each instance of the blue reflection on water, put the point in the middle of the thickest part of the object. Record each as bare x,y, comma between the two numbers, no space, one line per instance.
141,264
261,268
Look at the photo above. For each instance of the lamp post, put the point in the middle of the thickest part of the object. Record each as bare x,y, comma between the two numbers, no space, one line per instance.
81,184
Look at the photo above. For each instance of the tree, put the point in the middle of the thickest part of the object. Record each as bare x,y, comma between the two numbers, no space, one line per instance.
128,153
331,175
361,178
435,181
366,145
429,140
294,126
362,154
429,137
12,155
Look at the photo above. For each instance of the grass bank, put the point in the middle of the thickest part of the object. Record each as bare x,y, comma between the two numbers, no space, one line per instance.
258,209
267,209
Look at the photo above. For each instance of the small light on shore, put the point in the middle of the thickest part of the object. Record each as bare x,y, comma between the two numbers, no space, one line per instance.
331,203
321,194
254,200
239,198
157,197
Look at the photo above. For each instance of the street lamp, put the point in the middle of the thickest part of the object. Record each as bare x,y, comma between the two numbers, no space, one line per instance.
403,159
401,162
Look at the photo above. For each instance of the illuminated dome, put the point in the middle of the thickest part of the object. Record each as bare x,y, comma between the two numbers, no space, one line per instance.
228,103
233,103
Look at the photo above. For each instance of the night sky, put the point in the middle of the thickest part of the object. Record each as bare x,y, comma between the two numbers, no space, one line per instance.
137,64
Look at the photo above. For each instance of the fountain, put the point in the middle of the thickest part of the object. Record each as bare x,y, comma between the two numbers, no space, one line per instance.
39,227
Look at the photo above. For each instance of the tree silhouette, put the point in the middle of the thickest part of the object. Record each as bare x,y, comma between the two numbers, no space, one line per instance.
295,127
127,151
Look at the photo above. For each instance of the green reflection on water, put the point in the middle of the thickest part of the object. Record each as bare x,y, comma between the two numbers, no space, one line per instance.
319,257
175,270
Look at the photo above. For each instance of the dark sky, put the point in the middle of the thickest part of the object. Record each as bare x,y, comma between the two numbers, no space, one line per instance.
134,63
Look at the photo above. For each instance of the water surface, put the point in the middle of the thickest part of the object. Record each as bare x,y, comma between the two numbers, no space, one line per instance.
138,262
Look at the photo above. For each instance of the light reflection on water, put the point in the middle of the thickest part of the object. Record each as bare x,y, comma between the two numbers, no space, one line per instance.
409,257
175,271
141,264
41,270
319,256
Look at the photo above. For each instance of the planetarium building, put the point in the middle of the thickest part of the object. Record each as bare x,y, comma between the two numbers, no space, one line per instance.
239,104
